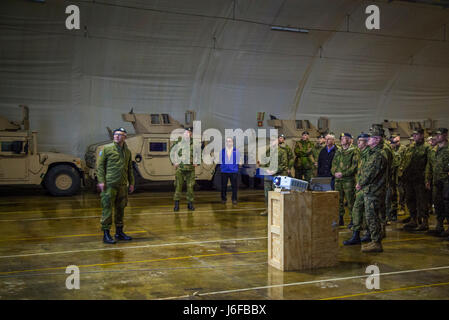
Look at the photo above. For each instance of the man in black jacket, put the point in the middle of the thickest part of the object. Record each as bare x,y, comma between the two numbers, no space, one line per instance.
325,158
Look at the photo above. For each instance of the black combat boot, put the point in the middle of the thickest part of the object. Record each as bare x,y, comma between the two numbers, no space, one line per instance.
366,237
190,206
120,235
176,208
354,240
350,224
341,222
107,238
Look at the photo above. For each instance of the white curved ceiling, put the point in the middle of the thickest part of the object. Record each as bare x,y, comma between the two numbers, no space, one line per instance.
222,59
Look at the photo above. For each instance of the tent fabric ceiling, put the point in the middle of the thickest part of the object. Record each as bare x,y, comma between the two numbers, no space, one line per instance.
221,59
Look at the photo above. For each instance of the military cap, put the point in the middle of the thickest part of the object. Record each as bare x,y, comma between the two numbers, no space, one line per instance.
376,131
418,131
320,136
305,132
345,134
120,130
189,129
441,131
282,136
363,136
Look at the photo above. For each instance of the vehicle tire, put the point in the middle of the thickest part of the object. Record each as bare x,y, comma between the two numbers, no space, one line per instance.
62,180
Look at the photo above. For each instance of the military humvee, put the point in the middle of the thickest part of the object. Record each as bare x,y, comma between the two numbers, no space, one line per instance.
22,164
405,129
150,148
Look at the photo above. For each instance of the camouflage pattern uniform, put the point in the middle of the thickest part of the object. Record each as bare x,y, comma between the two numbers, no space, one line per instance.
184,172
413,174
428,174
114,169
437,174
401,182
396,187
285,163
385,207
316,152
373,181
304,162
345,161
358,208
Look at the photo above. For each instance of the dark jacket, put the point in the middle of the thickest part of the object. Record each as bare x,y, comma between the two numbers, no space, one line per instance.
325,162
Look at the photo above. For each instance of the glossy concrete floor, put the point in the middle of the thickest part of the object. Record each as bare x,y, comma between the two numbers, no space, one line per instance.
216,252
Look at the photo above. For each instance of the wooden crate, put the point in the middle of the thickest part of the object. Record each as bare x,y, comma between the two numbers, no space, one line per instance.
302,230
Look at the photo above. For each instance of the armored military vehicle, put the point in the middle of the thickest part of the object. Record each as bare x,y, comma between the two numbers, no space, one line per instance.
22,164
150,148
405,129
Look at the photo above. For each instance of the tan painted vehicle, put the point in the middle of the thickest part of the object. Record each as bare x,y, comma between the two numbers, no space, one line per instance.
150,149
22,164
405,129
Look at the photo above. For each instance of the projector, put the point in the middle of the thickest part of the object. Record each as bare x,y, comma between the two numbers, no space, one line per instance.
289,183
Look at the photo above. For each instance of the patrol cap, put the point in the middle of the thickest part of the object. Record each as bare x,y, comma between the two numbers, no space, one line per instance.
418,131
345,134
305,132
363,136
120,130
441,131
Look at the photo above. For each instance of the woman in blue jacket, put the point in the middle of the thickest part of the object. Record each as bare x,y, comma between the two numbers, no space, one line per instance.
229,159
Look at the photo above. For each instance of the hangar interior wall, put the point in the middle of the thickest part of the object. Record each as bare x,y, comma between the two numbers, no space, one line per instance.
221,59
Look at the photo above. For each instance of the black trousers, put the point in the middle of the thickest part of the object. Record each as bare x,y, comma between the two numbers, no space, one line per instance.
224,185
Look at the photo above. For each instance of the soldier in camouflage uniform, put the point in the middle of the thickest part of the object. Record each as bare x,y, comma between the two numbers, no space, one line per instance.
304,161
386,204
285,161
359,206
398,149
319,145
433,148
372,184
114,173
437,177
414,166
401,180
344,169
185,170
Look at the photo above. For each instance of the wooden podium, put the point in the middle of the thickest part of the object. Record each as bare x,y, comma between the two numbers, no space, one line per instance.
302,229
